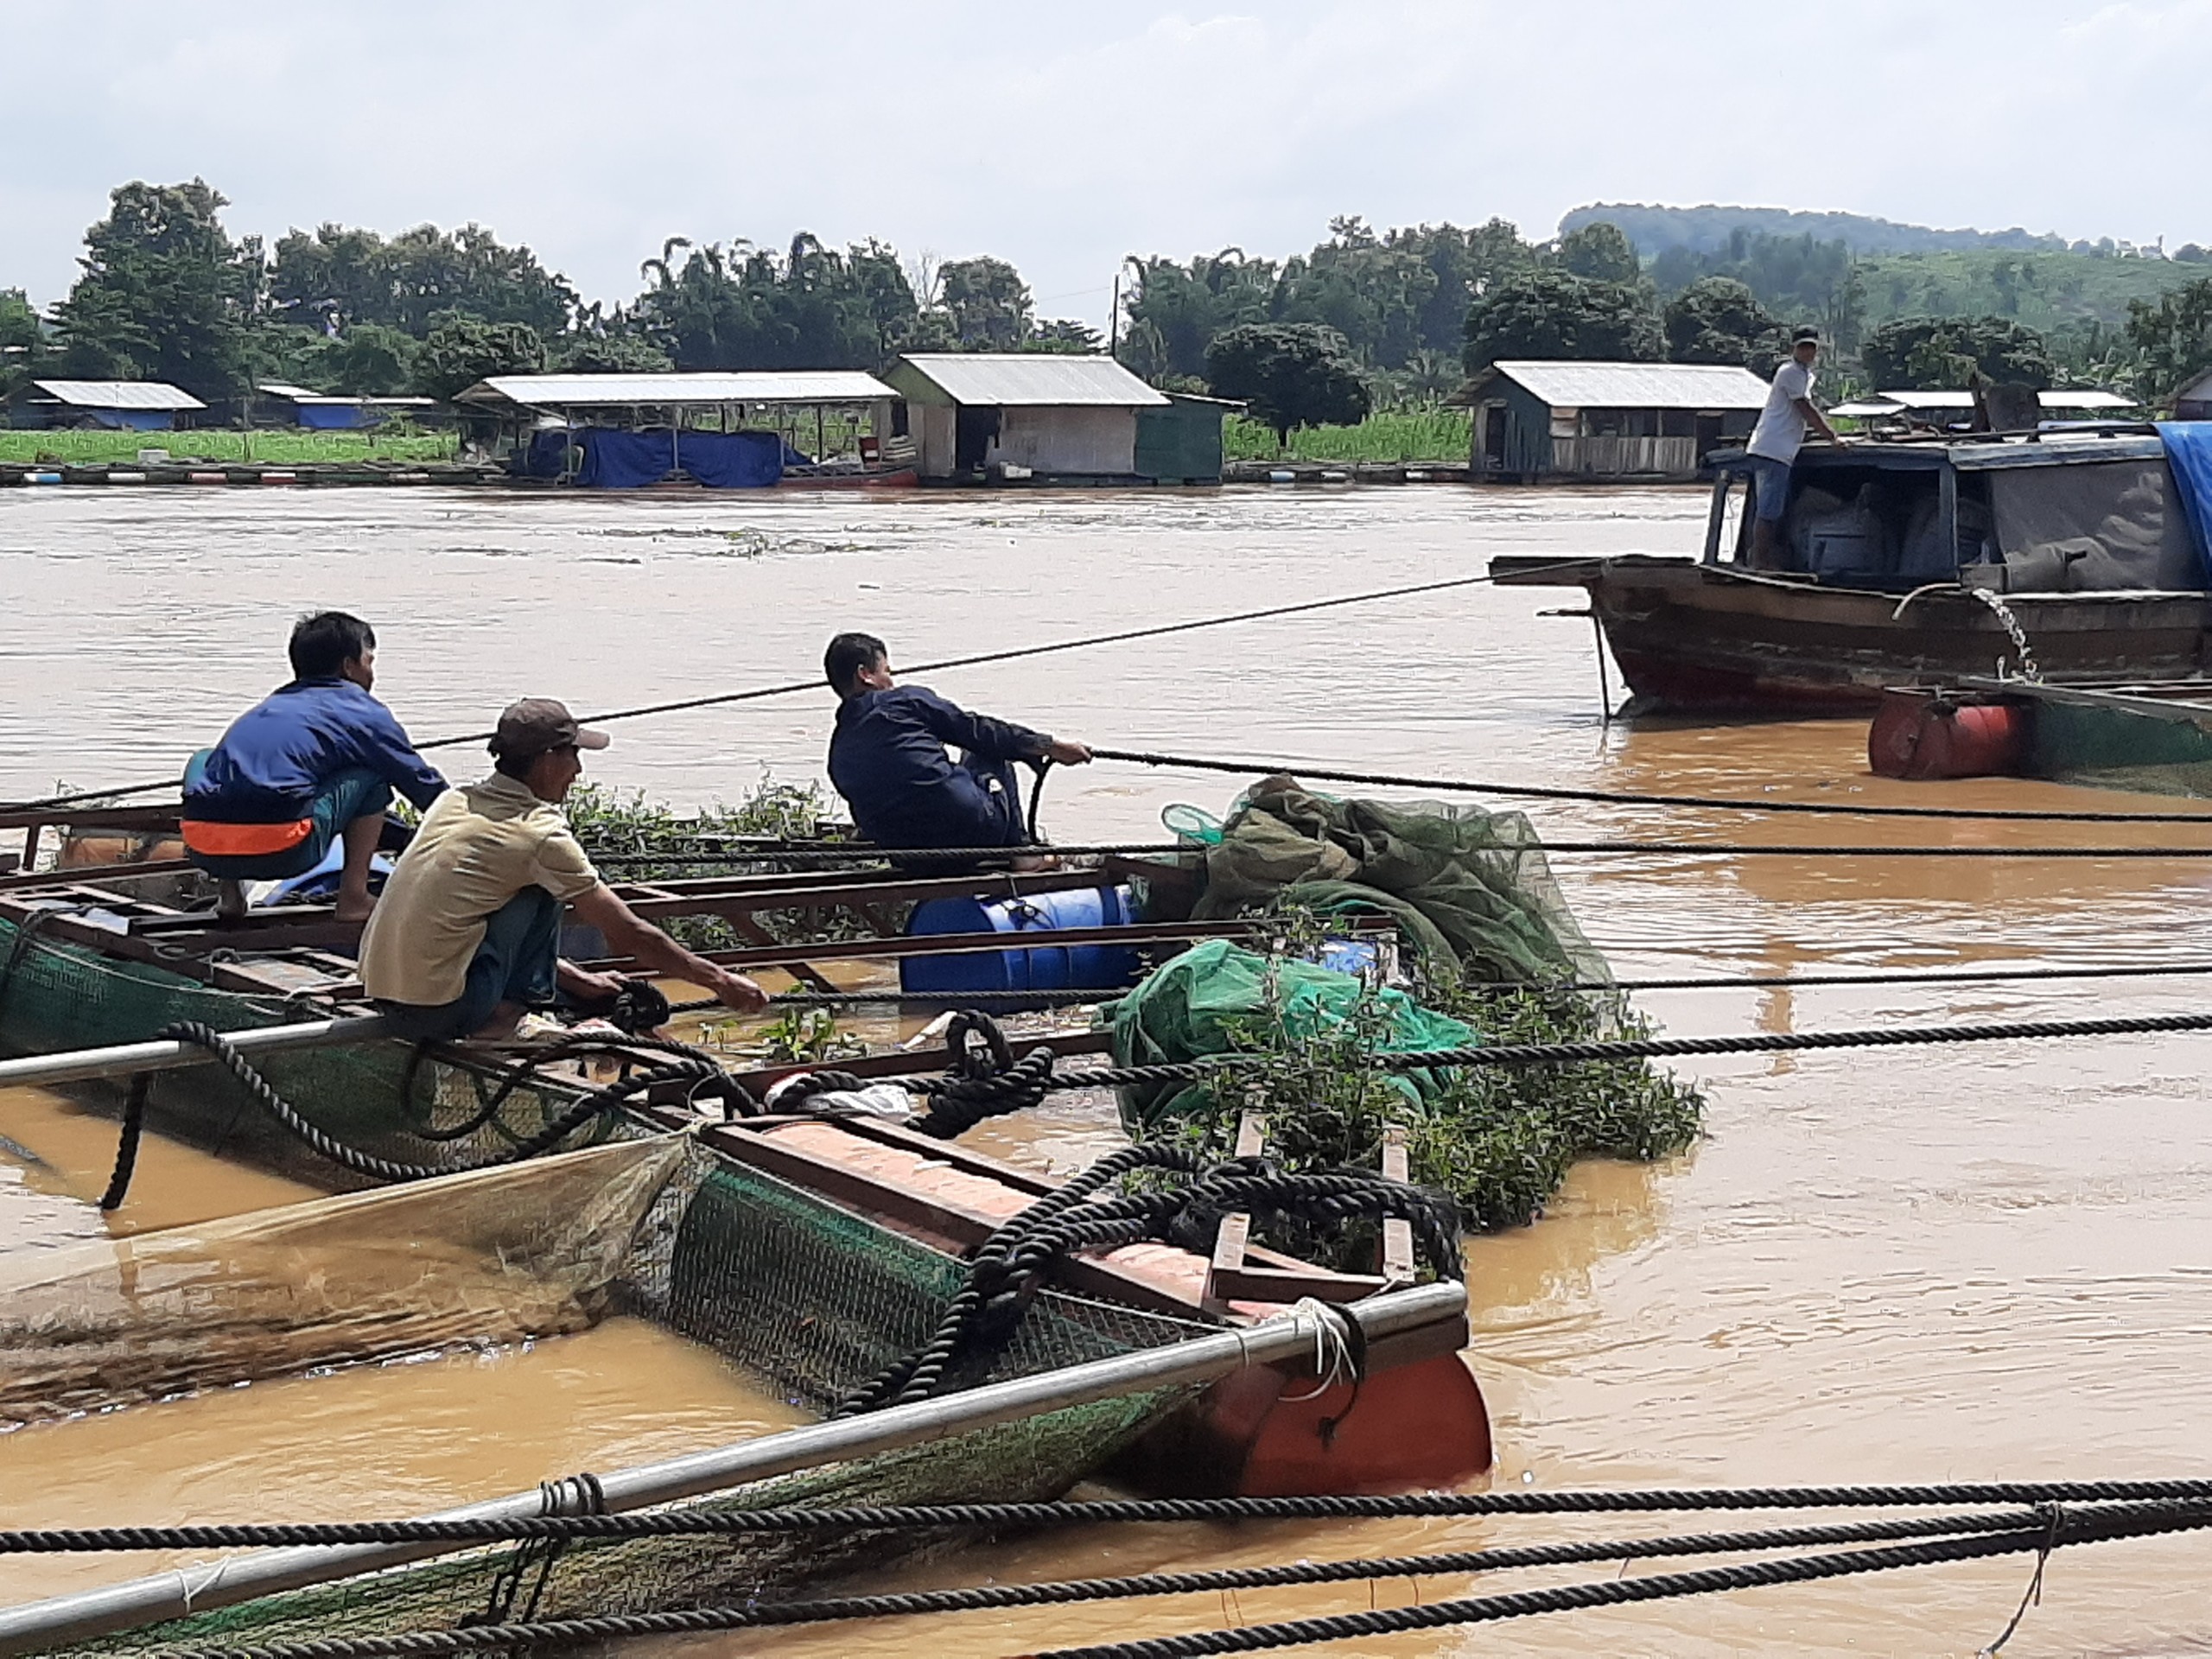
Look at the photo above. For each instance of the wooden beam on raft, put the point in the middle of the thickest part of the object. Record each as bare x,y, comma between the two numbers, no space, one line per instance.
61,877
942,945
1397,1246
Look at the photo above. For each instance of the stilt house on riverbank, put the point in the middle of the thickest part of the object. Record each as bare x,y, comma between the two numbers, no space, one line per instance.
1536,420
1052,418
726,431
114,405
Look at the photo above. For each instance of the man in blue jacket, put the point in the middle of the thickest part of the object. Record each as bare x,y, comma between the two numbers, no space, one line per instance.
887,758
315,761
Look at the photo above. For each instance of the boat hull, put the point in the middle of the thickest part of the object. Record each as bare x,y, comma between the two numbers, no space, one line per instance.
1706,639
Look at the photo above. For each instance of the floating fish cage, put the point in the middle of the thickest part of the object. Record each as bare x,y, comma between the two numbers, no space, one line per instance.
810,1253
808,1297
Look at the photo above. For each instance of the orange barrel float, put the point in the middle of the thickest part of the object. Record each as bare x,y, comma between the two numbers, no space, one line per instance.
1922,733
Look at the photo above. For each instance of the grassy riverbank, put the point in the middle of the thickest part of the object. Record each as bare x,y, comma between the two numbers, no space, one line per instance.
121,448
1387,435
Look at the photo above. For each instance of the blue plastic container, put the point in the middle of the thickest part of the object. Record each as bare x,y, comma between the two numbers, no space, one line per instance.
1034,967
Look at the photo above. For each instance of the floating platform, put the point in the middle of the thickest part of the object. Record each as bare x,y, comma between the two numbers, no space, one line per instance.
2149,739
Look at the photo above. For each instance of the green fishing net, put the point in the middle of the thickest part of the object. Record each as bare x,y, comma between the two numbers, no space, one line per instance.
1466,888
1205,1001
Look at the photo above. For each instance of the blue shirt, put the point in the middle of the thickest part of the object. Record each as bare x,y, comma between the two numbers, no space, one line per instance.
279,754
887,758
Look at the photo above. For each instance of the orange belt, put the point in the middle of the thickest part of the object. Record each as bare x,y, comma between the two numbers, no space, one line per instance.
244,840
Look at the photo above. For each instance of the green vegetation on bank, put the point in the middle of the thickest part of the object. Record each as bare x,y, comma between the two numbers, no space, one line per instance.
283,448
1393,434
1369,319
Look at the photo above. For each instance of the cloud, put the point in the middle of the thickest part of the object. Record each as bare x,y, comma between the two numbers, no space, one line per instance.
1064,136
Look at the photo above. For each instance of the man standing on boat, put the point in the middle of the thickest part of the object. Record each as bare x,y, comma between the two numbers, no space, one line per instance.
888,758
1789,413
315,761
467,939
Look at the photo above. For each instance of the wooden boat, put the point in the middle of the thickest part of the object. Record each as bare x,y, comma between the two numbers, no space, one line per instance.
2150,739
1912,563
863,1221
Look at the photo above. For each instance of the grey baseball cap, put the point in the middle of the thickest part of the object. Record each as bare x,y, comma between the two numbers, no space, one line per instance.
536,724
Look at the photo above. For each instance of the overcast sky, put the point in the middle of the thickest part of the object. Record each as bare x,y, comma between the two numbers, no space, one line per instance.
1064,136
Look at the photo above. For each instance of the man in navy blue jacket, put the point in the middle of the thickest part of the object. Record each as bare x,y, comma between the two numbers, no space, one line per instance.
887,757
315,761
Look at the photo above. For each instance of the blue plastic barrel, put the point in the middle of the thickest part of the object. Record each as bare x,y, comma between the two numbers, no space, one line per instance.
1034,967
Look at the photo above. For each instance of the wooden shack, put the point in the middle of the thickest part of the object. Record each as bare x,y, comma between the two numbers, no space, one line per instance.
115,405
1052,417
1541,420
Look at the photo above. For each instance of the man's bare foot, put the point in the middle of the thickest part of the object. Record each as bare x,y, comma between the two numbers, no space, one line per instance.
1027,862
500,1028
352,909
230,900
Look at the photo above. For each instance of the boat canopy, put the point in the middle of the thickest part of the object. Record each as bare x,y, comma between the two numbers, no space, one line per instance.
2071,513
2115,525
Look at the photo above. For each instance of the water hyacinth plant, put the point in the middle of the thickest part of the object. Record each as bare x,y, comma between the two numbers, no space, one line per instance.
1498,1138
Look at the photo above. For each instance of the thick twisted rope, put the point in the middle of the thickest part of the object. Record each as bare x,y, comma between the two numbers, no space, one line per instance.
693,1523
972,1099
1621,797
614,1097
2011,1532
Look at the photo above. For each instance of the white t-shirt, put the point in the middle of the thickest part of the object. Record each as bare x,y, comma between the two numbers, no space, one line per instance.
1782,429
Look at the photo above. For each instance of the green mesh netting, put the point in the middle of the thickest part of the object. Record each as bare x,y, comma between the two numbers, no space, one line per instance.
1464,886
803,1294
1199,1004
63,996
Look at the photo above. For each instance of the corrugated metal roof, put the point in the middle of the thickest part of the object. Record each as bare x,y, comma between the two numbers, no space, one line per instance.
119,394
581,391
292,394
1033,379
1964,400
1568,385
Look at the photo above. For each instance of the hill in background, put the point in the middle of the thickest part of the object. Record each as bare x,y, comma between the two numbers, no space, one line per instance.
1706,229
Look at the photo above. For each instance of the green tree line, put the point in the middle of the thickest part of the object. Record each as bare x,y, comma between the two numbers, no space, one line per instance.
1394,317
164,292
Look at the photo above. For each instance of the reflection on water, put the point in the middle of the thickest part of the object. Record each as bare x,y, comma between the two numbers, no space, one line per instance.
1908,1265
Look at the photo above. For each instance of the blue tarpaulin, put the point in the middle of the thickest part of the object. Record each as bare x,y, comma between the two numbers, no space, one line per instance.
2189,456
733,461
331,418
629,460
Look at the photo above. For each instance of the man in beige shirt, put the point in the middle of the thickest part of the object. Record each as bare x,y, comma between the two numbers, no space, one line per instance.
467,936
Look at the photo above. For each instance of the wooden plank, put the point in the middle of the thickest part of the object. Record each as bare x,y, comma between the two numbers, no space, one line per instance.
939,945
805,972
1397,1232
64,875
959,1229
947,1227
1235,1235
1255,1284
728,897
93,817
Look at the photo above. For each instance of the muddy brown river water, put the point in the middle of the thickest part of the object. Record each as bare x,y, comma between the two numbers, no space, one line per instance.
1918,1264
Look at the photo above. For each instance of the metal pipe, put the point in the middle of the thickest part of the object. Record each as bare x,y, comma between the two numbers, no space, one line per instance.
31,1626
128,1059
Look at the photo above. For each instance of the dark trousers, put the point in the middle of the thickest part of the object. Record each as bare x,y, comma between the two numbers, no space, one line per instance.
519,962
